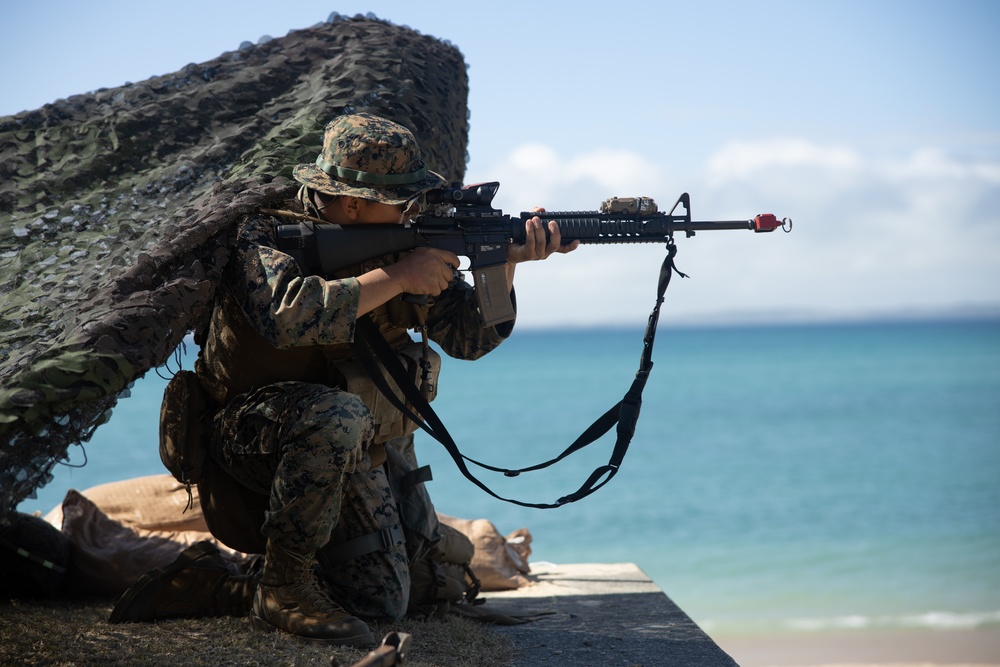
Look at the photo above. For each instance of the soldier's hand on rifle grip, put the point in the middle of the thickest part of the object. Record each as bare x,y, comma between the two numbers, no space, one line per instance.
424,270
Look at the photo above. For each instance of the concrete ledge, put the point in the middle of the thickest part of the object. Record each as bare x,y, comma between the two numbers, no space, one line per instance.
600,615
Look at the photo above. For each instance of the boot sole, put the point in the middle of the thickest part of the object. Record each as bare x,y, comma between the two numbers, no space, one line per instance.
362,640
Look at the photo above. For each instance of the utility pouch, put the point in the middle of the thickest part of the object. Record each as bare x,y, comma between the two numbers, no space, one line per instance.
183,432
389,421
415,356
442,578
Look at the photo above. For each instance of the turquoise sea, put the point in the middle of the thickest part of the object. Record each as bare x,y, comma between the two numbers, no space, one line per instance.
795,478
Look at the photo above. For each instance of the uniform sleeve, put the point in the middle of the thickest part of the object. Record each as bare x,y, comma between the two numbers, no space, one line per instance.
454,323
287,308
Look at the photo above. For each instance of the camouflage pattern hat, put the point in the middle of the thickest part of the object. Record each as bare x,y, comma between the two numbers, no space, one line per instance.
369,157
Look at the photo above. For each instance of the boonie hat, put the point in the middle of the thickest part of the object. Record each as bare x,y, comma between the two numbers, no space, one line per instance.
369,157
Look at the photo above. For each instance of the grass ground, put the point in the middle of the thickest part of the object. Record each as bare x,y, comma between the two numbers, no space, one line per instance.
62,633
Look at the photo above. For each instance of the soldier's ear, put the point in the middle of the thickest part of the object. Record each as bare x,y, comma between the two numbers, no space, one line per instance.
351,207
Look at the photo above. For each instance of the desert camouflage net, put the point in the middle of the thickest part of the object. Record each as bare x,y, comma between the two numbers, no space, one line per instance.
116,208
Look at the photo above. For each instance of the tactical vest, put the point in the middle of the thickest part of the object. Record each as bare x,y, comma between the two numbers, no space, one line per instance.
235,358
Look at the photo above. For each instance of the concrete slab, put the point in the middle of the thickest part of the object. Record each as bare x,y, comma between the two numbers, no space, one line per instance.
602,615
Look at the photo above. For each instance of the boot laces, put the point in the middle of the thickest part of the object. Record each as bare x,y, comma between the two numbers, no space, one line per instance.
308,588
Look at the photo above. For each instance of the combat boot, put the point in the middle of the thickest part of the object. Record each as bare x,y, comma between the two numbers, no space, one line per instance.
200,583
289,598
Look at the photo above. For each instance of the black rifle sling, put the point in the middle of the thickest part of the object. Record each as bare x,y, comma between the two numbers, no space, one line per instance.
369,344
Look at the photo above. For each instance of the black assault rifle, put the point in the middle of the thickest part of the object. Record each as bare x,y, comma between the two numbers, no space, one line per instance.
471,227
465,222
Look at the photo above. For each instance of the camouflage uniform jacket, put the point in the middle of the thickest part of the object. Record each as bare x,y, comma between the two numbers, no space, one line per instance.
271,323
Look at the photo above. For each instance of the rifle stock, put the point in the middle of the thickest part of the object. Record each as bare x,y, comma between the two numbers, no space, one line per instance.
472,228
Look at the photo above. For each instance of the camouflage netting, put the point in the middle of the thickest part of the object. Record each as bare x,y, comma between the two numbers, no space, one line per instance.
115,209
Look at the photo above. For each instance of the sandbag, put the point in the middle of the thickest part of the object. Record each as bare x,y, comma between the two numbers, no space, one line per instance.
500,563
106,557
153,502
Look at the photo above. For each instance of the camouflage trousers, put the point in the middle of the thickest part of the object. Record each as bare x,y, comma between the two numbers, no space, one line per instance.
305,447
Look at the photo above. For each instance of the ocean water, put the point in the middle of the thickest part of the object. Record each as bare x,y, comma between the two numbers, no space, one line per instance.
781,479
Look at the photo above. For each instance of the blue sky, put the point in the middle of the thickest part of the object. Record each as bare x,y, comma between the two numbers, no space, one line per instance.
875,125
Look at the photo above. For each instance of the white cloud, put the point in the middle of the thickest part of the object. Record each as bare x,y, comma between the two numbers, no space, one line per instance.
874,234
535,175
806,172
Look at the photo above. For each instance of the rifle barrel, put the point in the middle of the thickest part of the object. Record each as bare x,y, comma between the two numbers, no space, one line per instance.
592,227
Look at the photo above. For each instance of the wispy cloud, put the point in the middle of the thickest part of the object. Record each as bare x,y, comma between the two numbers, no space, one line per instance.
535,174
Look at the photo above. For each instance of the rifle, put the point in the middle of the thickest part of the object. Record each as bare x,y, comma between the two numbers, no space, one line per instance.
464,222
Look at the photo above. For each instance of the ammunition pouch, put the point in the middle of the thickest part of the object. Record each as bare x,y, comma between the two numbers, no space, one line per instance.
389,421
184,432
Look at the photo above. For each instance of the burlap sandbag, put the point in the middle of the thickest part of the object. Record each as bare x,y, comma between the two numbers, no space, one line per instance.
154,502
108,556
499,562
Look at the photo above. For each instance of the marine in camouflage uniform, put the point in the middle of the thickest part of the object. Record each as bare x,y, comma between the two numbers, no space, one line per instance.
300,422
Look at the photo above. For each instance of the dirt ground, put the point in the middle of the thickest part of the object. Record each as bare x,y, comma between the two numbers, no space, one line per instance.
62,633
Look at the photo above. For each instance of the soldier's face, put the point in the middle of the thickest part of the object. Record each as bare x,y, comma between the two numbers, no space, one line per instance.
356,211
376,213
